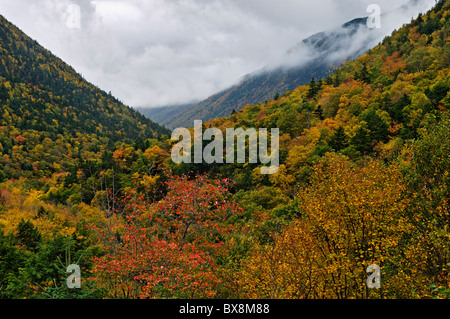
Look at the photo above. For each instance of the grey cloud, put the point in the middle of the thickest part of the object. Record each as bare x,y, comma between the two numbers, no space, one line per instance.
162,52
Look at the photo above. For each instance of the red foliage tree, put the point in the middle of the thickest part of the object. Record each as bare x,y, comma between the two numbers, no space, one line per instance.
168,249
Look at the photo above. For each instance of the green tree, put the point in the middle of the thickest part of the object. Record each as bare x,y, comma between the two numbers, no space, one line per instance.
363,74
28,235
319,112
428,180
378,128
339,140
362,140
437,93
313,89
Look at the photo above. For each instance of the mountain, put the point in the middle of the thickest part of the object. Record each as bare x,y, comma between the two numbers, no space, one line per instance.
50,115
164,115
371,106
41,92
363,180
313,57
374,106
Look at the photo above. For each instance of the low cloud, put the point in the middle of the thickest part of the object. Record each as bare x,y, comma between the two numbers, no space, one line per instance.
163,52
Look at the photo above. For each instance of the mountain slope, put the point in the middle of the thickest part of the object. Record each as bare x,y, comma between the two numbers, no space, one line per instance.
50,117
39,91
313,57
363,179
164,115
265,84
389,107
369,106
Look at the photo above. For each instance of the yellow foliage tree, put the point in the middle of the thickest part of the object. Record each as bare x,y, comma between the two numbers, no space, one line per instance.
352,217
156,155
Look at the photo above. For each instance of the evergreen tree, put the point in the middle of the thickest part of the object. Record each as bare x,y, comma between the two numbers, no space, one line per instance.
395,110
313,89
362,141
378,129
363,74
28,235
319,112
437,93
339,140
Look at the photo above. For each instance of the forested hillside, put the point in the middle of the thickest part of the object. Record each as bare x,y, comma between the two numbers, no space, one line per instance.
313,57
269,82
46,107
363,179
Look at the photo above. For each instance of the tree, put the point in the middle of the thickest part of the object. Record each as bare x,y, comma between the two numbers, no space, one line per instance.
437,93
362,140
339,140
363,74
377,126
28,235
10,263
313,89
288,121
395,109
419,59
319,112
428,180
350,217
168,248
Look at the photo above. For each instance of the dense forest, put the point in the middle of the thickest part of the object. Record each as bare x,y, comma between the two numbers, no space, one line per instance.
363,179
50,114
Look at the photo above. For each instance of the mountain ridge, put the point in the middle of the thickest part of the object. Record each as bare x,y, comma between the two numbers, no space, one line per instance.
45,77
320,53
51,117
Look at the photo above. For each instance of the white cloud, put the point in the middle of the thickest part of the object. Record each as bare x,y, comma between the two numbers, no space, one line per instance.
114,12
159,52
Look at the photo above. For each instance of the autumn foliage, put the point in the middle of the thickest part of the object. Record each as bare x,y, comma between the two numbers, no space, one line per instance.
351,217
168,248
363,179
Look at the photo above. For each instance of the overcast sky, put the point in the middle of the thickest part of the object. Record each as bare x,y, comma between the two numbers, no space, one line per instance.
163,52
